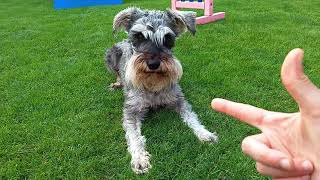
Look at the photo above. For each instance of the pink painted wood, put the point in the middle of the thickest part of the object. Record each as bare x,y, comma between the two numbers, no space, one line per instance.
191,5
207,5
173,5
212,18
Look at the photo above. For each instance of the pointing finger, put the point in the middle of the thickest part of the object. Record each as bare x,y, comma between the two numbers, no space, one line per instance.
246,113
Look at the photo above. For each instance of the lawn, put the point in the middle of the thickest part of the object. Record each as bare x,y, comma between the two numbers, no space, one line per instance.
58,120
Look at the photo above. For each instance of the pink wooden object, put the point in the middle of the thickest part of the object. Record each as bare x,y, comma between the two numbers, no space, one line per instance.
191,5
207,5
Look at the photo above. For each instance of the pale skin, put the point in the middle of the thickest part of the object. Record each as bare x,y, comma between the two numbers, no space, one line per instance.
288,146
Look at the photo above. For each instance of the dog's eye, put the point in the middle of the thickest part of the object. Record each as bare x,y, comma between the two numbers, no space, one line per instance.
169,41
139,37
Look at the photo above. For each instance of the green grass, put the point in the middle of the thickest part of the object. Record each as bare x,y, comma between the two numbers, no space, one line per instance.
57,120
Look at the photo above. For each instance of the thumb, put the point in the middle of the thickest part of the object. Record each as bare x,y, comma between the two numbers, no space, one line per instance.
297,83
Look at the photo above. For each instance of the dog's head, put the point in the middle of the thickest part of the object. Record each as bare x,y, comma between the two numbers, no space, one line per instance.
153,35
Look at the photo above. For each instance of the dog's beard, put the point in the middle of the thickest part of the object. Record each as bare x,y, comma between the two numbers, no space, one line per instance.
141,77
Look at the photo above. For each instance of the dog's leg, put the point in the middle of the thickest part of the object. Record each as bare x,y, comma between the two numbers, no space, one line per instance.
191,119
113,58
140,162
117,84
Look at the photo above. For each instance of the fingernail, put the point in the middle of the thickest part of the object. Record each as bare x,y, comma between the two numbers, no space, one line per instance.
306,178
307,166
214,101
285,164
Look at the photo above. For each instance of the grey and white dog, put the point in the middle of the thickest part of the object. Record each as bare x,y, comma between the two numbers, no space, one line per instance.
149,73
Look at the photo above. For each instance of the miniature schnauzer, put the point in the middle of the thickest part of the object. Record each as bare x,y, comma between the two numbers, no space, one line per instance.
149,73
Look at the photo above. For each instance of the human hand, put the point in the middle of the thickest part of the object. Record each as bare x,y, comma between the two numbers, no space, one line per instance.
288,140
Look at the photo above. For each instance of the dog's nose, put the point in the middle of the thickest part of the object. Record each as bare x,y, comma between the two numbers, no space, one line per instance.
153,64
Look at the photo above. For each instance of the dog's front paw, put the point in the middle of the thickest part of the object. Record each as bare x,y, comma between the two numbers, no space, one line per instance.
140,163
207,136
114,86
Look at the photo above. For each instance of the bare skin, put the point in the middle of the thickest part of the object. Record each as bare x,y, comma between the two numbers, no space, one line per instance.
288,146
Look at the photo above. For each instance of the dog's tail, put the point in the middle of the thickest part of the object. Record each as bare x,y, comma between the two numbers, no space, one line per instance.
113,57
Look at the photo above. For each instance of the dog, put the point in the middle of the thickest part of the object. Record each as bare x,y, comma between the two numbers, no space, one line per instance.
148,72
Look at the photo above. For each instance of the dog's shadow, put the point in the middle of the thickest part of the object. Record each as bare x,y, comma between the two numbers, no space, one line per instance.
161,118
164,126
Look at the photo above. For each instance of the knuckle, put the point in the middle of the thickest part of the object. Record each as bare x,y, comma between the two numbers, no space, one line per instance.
304,79
264,157
311,112
315,114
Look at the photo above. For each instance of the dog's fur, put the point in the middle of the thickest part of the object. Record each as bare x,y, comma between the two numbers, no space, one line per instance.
149,73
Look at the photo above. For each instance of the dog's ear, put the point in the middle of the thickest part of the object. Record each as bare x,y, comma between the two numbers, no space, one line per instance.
183,21
126,18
